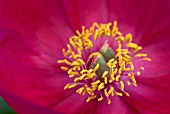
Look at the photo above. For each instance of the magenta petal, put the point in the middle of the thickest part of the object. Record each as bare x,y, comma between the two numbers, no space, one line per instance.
86,12
159,65
43,21
144,19
151,95
38,80
74,104
118,106
22,106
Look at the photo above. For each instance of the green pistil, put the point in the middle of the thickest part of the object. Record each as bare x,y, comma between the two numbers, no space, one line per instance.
106,53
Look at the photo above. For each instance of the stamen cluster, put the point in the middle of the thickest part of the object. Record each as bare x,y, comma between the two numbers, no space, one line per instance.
112,81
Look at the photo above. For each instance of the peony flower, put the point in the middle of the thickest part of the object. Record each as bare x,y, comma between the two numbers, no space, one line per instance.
34,33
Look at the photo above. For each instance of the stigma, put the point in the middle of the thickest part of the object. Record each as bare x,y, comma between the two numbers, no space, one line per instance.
102,71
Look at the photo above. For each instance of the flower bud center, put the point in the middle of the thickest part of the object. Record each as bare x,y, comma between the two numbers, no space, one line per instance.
105,54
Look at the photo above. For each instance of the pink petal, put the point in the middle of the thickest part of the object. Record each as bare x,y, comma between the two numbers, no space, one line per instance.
151,96
36,80
159,65
43,21
75,104
144,19
85,12
117,106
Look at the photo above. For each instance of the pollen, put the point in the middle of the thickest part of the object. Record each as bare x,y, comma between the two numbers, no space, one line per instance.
107,71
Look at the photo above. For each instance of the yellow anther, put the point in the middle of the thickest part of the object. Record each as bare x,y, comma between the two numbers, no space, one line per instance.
137,49
109,101
112,65
83,29
95,54
120,58
122,65
101,86
111,60
69,47
128,82
115,29
98,81
80,90
89,91
64,61
127,94
112,78
96,67
78,33
132,45
91,75
72,43
127,69
75,63
88,99
121,38
105,74
128,38
122,85
111,91
64,68
77,79
117,78
135,84
131,66
66,86
69,86
76,56
118,93
72,85
147,59
105,80
142,68
96,34
105,92
129,74
71,75
127,56
115,71
64,52
119,45
138,73
141,55
83,71
120,71
133,78
94,25
71,72
100,99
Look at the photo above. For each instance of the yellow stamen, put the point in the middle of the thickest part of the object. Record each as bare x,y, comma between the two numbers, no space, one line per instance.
100,99
141,68
147,59
122,85
138,73
118,93
101,86
91,82
141,55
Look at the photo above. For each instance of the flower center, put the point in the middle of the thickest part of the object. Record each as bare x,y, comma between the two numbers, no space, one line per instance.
100,60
